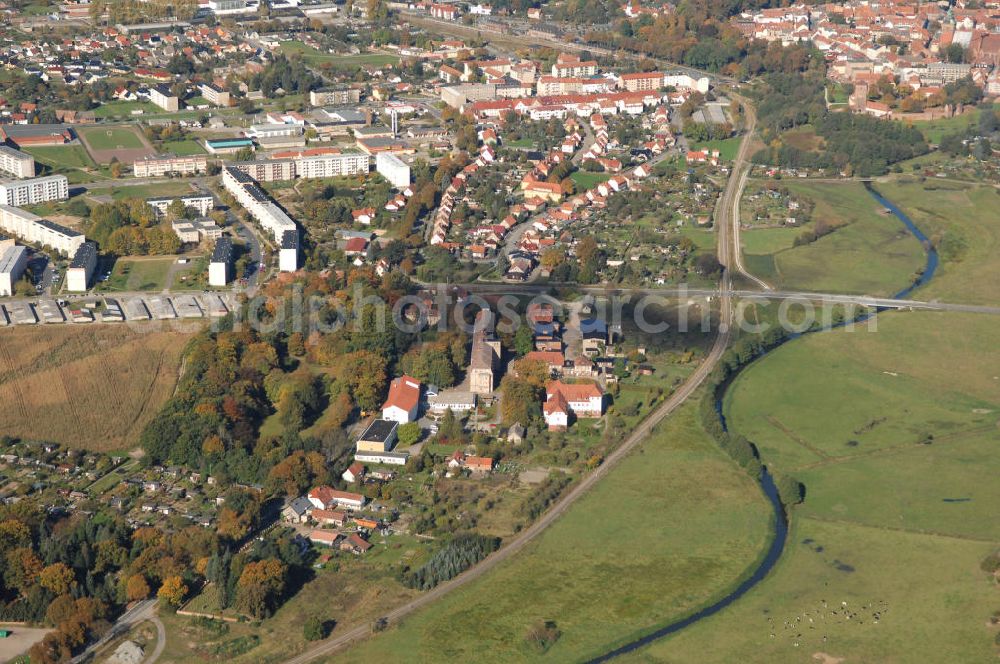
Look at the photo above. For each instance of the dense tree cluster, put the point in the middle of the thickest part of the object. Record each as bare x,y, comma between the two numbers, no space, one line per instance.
130,227
458,555
292,76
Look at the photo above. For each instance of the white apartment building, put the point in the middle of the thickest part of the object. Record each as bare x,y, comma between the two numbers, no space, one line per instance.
215,95
271,217
157,166
220,269
164,98
202,203
35,230
35,190
194,231
393,169
332,165
82,267
13,260
16,163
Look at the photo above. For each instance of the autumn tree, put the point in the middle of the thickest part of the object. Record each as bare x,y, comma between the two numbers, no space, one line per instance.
57,578
260,587
136,588
173,591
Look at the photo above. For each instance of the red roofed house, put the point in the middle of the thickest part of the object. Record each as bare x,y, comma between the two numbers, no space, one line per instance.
329,517
552,358
324,497
354,472
355,544
324,537
403,402
578,399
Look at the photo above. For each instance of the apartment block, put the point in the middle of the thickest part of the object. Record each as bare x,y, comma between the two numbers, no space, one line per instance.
16,163
82,267
35,190
158,166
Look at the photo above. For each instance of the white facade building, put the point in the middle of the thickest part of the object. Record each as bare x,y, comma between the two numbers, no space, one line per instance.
32,229
16,163
155,166
393,169
82,267
35,190
13,260
219,270
202,203
271,217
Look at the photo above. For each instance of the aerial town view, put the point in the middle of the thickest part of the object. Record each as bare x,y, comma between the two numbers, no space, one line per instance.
505,331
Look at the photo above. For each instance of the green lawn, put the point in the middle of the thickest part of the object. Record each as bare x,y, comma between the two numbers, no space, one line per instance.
183,148
101,138
149,190
62,156
890,521
671,528
727,147
143,274
586,180
316,57
868,253
123,109
934,130
964,222
933,603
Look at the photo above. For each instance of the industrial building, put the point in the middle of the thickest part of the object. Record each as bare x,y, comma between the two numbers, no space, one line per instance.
35,190
220,269
393,169
157,166
227,145
35,230
164,98
81,268
201,203
380,436
16,163
271,217
13,260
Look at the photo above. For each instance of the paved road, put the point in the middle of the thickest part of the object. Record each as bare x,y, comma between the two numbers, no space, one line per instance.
144,610
733,193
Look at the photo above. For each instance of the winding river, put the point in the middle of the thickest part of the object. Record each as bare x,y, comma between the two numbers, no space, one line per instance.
780,523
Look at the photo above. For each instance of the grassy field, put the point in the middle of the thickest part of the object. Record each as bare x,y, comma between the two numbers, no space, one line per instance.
934,130
175,188
727,147
146,274
894,522
62,156
586,180
316,57
869,252
123,109
94,387
183,148
672,527
963,221
101,138
932,602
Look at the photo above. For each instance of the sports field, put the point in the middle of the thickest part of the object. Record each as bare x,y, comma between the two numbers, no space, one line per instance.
675,525
893,433
869,252
316,57
122,143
